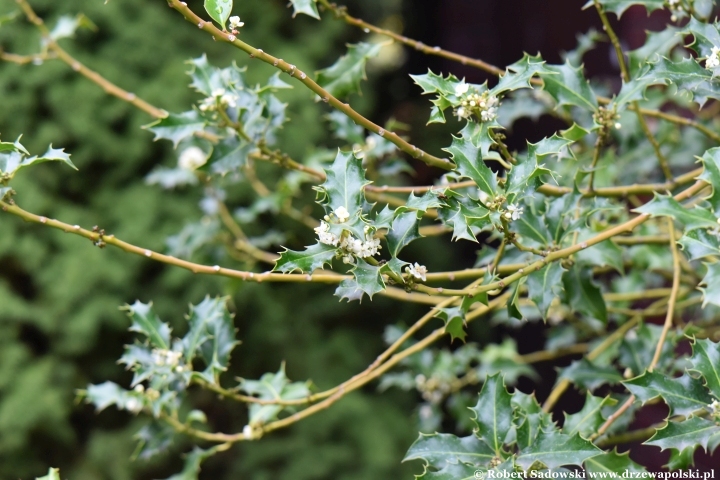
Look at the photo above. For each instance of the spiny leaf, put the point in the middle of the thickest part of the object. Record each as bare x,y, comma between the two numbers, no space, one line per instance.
656,44
404,230
343,77
691,433
518,74
512,304
307,261
568,86
683,395
52,155
431,83
306,7
344,184
438,449
176,127
145,321
493,413
454,319
705,36
583,295
451,471
218,339
637,351
687,75
53,474
272,386
470,164
706,361
589,418
711,174
368,278
554,449
586,374
619,6
711,280
612,462
692,218
193,461
219,10
699,244
544,285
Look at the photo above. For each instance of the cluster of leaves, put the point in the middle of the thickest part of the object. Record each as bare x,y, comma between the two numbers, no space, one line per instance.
513,433
526,206
165,367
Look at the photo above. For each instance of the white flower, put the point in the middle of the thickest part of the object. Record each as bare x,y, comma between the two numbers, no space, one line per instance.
513,212
713,60
207,104
218,92
192,158
342,214
417,271
140,388
134,405
235,22
461,89
229,99
163,358
715,407
325,236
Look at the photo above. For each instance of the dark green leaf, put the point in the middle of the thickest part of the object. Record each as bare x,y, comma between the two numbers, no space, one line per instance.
272,386
683,395
454,319
518,74
705,36
307,7
657,43
176,127
706,361
637,350
404,230
218,339
53,474
586,374
193,460
583,295
601,254
699,244
711,174
368,278
145,321
612,462
451,471
688,75
345,183
470,164
530,226
544,285
219,10
554,449
512,306
439,449
587,421
344,77
431,83
619,6
665,205
711,280
568,86
106,394
691,433
314,257
493,413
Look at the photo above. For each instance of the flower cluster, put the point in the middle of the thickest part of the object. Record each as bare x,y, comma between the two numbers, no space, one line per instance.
163,358
218,96
510,212
482,105
713,60
676,7
192,158
513,212
350,246
418,271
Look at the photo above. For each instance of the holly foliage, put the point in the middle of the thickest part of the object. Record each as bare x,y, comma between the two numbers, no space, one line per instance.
602,232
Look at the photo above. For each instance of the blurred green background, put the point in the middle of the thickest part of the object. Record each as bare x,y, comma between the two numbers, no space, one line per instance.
60,326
